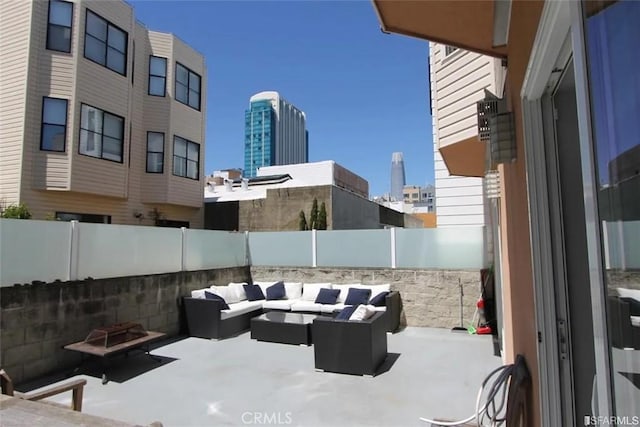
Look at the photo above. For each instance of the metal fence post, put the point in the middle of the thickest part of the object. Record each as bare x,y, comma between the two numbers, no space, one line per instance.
183,263
74,250
314,248
393,247
247,254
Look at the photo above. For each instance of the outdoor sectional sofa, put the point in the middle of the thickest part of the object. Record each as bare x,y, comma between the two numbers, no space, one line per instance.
207,318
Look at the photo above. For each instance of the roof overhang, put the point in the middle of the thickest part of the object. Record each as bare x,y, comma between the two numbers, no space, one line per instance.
466,157
475,25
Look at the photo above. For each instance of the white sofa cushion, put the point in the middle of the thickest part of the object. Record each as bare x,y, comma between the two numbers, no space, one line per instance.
239,308
310,290
293,290
238,289
225,292
331,308
199,293
306,306
278,304
629,293
344,290
363,312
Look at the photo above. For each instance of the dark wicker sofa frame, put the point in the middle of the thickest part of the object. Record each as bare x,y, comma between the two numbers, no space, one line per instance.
204,318
350,347
623,333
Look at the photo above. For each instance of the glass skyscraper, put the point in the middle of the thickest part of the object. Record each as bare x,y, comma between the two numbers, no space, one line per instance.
397,176
275,133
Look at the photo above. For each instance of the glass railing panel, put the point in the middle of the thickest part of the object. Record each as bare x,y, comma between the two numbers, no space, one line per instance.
205,249
34,250
441,248
282,248
127,250
354,248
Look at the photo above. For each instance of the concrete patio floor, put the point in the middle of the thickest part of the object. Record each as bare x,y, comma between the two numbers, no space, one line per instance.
239,381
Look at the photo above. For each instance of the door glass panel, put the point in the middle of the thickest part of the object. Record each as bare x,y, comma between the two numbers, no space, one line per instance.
613,42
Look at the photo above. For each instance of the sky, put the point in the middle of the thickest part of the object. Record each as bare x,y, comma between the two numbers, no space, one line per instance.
365,93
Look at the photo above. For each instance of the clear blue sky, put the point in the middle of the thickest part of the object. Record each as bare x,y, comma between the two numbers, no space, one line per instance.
365,93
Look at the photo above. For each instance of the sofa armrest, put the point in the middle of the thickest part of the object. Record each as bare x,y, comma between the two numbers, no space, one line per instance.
203,316
393,304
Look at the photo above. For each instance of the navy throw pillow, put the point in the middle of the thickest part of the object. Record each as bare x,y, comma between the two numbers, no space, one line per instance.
276,291
380,299
357,296
346,312
327,296
209,295
254,293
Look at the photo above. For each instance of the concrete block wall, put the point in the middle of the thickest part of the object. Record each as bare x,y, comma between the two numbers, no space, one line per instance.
37,320
431,298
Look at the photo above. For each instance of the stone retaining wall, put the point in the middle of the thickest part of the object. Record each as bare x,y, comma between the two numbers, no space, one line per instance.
37,320
430,298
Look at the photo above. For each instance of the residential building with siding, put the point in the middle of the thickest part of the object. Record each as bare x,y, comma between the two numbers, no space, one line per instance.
458,80
102,120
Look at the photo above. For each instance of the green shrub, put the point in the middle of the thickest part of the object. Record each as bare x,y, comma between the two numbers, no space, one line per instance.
20,211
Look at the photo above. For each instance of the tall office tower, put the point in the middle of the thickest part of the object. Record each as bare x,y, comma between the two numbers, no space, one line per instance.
274,134
397,176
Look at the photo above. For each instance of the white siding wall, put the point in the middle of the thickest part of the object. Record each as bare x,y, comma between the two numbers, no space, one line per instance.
457,83
15,21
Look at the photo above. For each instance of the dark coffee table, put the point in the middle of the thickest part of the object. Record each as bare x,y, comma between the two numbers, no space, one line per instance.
283,327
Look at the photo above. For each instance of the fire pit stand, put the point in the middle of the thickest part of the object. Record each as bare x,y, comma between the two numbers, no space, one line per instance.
107,342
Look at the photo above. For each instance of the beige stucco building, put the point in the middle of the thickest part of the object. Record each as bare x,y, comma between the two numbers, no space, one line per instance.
101,119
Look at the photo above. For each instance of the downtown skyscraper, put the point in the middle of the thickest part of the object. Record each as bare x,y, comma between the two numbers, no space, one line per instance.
275,133
398,180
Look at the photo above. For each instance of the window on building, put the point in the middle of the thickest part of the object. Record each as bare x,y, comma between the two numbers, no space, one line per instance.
186,158
93,218
105,43
157,75
101,134
54,124
187,86
448,50
59,25
155,152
